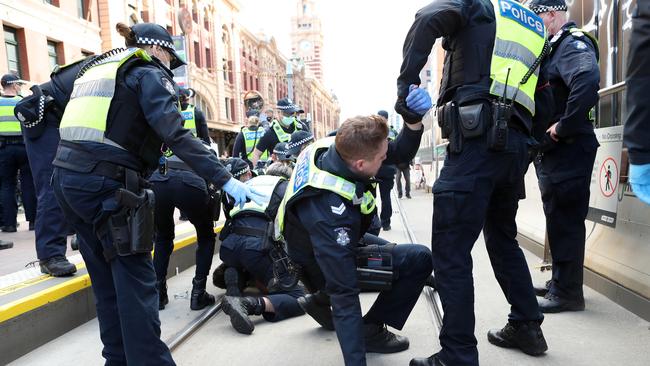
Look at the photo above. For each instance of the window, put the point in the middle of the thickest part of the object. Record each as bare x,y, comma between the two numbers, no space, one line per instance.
52,2
245,80
82,9
232,110
203,105
206,21
53,53
197,54
13,51
228,114
195,13
208,59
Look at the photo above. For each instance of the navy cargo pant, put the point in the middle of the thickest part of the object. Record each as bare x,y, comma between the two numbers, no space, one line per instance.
13,159
564,176
479,189
188,192
124,287
51,228
246,252
385,186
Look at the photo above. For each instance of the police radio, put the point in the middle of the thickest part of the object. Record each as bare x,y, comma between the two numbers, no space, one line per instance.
497,138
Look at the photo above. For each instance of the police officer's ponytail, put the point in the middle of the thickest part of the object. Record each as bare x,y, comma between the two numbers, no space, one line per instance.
126,32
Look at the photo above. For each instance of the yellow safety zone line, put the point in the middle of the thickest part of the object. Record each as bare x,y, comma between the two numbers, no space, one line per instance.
57,292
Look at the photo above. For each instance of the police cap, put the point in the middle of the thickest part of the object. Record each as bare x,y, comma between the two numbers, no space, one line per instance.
280,150
31,111
236,166
9,79
287,106
154,34
544,6
383,113
298,140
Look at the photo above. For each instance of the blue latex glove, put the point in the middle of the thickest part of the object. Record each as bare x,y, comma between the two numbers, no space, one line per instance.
640,181
240,192
418,100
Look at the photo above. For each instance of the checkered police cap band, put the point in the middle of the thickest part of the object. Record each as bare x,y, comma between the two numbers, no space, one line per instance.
152,41
241,172
537,9
291,145
286,107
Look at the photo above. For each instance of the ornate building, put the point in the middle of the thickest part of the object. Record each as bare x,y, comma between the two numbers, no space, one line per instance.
307,37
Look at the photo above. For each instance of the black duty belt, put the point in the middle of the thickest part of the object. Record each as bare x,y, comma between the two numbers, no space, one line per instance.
12,140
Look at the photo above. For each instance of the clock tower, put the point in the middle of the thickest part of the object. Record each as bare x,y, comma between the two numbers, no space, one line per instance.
307,37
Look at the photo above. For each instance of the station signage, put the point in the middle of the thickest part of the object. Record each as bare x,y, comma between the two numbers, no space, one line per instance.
605,177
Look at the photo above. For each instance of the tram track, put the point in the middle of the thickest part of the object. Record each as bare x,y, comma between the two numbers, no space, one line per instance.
192,327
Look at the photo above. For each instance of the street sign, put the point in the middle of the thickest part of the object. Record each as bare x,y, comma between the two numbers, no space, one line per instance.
181,74
603,202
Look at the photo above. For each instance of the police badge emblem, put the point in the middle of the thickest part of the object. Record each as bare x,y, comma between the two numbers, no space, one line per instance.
342,238
168,85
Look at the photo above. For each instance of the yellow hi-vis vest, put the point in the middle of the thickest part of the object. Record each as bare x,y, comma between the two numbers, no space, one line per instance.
307,174
85,115
281,134
9,124
520,38
251,139
264,184
190,119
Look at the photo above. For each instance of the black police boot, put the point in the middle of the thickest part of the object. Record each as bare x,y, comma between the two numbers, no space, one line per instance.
32,226
231,279
163,299
4,244
527,336
380,340
386,227
554,304
200,298
431,281
8,229
57,266
239,308
542,290
318,307
432,360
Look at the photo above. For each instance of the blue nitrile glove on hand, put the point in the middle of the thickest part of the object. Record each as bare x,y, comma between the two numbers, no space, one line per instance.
418,100
240,192
416,104
640,181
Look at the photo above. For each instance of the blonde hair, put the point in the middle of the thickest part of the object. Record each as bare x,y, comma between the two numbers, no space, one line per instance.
126,32
253,121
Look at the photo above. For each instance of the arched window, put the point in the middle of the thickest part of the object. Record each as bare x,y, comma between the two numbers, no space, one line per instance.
271,93
203,105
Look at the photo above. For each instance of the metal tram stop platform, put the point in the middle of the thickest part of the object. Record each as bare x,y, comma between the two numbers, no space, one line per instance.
51,321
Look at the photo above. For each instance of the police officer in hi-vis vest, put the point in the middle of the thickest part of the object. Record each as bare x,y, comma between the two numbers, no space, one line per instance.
248,139
280,130
485,109
123,107
13,159
193,118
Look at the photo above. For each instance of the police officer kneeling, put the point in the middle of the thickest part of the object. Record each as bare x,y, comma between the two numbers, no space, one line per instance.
326,211
123,106
485,109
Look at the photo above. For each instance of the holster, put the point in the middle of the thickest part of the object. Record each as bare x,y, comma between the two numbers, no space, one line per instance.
132,226
214,202
498,133
375,270
449,122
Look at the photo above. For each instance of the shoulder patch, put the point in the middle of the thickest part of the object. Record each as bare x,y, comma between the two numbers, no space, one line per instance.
168,85
580,45
338,210
342,237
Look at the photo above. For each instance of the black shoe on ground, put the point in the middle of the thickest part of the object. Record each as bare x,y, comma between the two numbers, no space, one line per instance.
399,195
236,308
8,229
554,304
542,290
4,244
32,226
200,298
408,196
320,311
231,280
163,299
432,360
57,266
527,336
380,340
386,227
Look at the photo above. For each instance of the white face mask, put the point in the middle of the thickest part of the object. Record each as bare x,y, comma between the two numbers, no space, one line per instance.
287,121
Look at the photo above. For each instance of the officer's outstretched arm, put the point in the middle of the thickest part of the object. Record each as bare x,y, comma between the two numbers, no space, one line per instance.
256,156
404,147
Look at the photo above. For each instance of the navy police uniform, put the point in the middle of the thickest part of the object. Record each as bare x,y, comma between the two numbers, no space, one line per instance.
322,231
478,188
564,167
143,114
177,185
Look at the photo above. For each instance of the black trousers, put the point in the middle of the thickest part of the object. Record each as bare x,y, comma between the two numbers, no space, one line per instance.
407,177
385,186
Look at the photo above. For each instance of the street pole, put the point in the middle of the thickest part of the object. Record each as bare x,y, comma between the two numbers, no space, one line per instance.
290,79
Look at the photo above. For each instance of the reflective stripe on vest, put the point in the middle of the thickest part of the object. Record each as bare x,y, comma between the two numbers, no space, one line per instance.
264,184
392,134
251,139
281,134
190,119
307,174
9,124
85,115
520,37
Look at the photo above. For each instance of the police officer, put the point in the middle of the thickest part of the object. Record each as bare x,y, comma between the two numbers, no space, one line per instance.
247,244
193,118
637,128
248,139
13,158
298,142
123,107
40,115
280,131
487,99
327,210
386,178
565,164
175,184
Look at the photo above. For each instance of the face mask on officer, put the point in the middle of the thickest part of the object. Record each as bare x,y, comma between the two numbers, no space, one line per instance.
287,120
161,54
